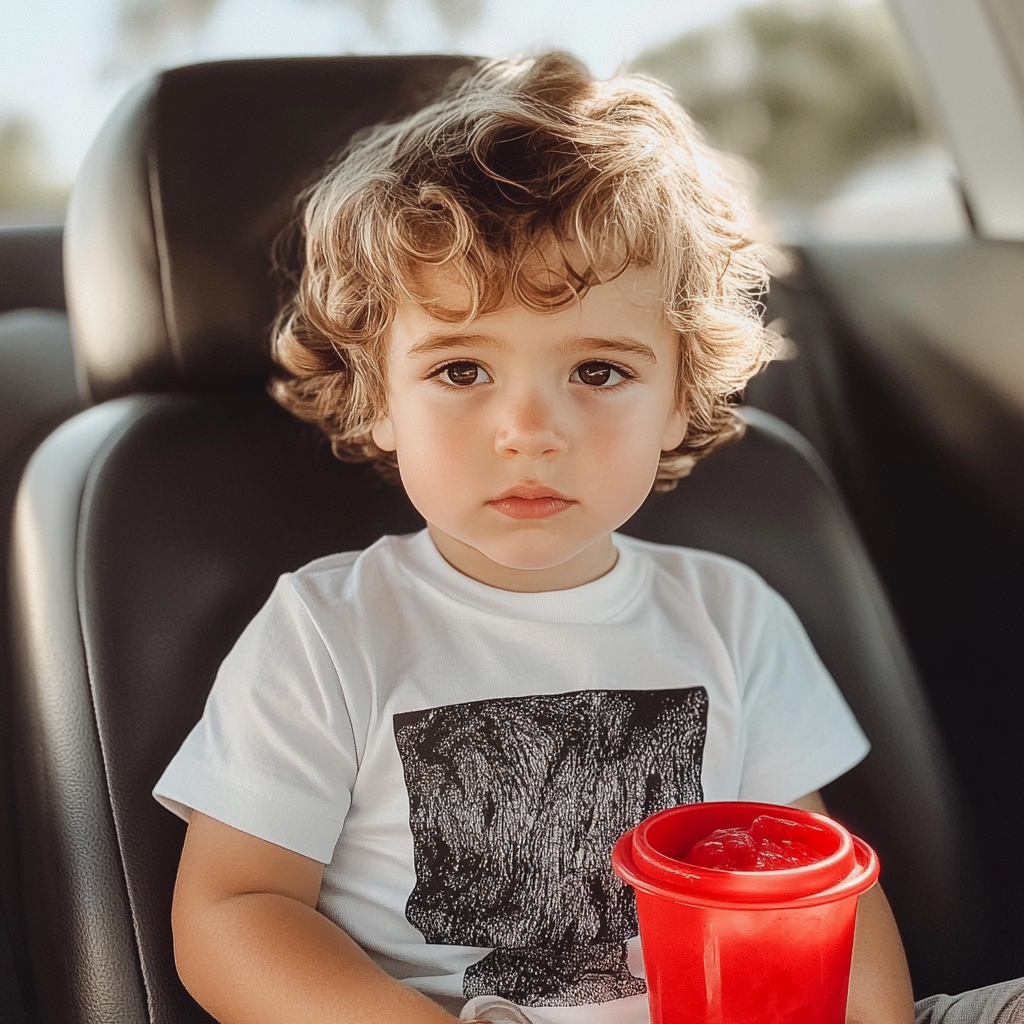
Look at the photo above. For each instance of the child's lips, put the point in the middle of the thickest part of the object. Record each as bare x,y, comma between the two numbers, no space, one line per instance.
530,503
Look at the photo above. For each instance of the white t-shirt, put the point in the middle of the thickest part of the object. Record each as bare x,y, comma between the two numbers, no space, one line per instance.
463,758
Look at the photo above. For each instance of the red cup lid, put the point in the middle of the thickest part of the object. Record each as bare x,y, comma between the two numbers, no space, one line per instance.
650,857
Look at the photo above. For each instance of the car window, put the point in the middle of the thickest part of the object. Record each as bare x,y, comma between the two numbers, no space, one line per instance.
819,97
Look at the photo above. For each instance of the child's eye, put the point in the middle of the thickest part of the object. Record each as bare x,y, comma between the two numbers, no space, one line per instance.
462,374
599,375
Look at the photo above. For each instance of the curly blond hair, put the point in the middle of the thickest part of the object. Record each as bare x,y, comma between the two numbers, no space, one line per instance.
519,159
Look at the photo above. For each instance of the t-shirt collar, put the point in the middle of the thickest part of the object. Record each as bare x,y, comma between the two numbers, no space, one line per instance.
597,601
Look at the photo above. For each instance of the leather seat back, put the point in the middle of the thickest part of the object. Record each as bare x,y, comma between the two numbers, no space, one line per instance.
37,391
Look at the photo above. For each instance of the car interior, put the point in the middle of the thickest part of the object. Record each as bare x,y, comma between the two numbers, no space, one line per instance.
152,492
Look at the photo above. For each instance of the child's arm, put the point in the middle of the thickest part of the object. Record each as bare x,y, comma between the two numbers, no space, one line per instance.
251,947
880,991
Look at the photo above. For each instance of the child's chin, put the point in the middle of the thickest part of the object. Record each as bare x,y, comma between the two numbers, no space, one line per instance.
532,554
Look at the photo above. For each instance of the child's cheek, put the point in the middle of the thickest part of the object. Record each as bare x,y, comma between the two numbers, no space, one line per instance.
630,438
435,425
449,435
623,453
442,458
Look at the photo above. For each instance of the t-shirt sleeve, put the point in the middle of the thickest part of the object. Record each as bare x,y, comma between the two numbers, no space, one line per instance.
274,754
801,734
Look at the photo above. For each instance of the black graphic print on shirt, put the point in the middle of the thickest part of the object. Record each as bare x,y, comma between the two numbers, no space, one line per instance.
515,804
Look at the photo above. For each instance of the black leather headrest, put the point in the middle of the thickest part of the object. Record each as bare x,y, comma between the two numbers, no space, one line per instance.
171,222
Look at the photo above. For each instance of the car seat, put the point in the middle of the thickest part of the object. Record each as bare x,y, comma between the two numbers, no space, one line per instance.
150,528
37,391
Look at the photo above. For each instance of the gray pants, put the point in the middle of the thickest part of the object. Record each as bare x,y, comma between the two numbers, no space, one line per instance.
997,1004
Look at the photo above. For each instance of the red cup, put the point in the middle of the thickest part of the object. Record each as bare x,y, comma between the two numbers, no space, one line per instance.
744,947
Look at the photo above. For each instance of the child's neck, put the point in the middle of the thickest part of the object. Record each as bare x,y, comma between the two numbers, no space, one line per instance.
590,564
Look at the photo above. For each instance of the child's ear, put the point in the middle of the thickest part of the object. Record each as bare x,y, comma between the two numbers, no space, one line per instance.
675,429
383,434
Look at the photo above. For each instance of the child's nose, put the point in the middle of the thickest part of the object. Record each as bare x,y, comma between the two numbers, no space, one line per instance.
530,426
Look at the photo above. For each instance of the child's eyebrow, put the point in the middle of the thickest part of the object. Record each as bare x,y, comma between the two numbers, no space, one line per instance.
617,344
435,342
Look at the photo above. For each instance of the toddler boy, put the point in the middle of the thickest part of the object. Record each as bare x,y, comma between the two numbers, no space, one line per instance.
531,302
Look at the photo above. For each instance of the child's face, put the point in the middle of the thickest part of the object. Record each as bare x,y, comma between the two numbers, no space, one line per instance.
525,438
